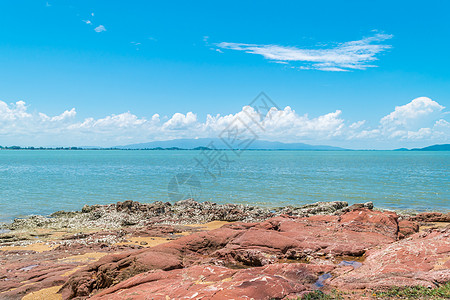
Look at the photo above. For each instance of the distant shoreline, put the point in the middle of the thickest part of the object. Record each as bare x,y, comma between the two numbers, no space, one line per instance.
16,148
222,144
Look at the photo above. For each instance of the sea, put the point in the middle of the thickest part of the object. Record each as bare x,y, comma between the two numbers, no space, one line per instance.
40,182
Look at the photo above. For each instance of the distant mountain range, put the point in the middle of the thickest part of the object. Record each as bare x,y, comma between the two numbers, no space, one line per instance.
220,144
443,147
199,144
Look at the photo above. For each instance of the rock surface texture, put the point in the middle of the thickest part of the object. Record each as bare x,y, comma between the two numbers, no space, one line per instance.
282,254
423,259
281,257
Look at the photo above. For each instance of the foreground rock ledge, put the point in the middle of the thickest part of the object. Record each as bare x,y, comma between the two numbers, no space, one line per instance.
282,257
100,252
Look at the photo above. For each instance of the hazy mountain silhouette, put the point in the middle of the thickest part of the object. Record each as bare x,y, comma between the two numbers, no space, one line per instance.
220,144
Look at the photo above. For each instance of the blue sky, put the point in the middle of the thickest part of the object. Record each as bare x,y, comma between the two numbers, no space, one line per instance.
97,72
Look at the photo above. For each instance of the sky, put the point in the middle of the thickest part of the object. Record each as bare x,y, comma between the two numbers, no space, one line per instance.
354,74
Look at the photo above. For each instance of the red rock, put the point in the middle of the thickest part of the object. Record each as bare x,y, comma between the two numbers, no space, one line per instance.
295,238
214,282
431,217
172,255
256,244
23,272
406,228
364,220
423,259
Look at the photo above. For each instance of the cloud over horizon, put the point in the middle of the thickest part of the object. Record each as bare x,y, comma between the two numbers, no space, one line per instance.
419,122
352,55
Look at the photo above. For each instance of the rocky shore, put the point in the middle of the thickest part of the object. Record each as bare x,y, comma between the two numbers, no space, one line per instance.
132,250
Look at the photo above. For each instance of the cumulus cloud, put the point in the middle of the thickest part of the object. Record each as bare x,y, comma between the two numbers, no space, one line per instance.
180,121
14,112
353,55
420,121
412,116
100,28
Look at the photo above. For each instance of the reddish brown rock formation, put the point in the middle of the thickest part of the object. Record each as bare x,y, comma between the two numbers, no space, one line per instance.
22,272
285,256
423,259
431,217
406,228
246,244
26,271
173,255
213,282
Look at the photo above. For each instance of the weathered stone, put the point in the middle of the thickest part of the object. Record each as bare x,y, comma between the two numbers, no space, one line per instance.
319,208
423,259
431,217
406,228
256,244
214,282
326,244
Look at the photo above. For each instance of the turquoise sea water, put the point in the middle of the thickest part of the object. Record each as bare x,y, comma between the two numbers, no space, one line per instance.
42,182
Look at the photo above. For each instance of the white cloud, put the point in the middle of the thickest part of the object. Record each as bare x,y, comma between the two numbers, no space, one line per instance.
100,28
353,55
420,122
17,111
66,115
180,121
412,116
87,22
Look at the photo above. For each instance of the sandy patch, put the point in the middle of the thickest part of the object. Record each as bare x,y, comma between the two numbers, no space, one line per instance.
70,272
38,247
434,225
442,264
45,294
